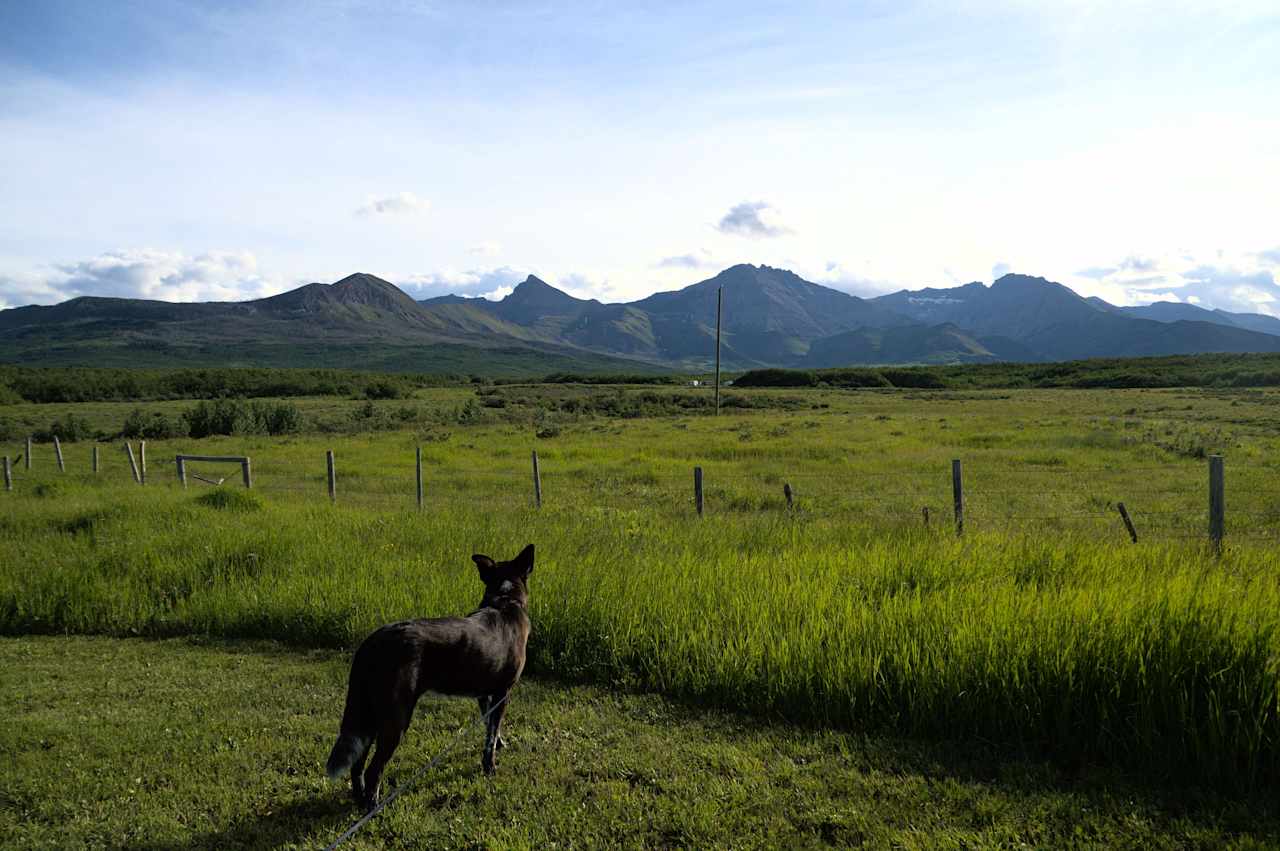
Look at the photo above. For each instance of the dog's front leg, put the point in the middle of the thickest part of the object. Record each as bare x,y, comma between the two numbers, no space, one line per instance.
484,708
493,732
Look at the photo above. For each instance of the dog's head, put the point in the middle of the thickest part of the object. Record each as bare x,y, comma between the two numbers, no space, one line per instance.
505,580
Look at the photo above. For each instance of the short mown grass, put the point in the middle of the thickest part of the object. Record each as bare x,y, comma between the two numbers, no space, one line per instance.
182,745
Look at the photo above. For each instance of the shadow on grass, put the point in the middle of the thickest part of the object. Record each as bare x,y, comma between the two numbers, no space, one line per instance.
1017,770
330,814
325,817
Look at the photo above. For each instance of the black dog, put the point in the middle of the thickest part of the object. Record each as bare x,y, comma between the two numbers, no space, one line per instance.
481,656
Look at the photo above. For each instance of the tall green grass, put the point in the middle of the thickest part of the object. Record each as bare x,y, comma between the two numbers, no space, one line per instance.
1160,657
1042,627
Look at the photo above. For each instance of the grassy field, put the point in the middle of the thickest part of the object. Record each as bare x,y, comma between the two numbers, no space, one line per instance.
1042,628
211,745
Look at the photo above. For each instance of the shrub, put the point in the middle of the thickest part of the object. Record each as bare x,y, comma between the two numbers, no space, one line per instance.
383,389
280,418
778,378
915,378
68,429
234,416
153,426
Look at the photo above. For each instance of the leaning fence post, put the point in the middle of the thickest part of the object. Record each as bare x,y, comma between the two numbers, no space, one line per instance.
332,476
57,450
8,475
1217,506
181,464
244,469
133,464
417,466
95,458
537,481
26,459
1128,524
957,492
789,494
697,489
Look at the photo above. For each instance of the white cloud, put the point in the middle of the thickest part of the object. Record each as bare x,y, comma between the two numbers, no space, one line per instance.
146,274
485,249
860,282
492,283
1145,297
693,260
754,219
1241,283
400,204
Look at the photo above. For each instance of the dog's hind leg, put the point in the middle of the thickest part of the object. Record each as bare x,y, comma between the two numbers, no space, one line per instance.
485,702
493,732
389,737
357,776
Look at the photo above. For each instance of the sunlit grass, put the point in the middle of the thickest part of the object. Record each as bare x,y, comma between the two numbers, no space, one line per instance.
1041,626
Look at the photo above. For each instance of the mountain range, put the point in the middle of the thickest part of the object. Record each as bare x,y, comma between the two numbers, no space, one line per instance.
772,317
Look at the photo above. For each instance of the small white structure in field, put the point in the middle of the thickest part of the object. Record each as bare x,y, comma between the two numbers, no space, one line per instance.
695,383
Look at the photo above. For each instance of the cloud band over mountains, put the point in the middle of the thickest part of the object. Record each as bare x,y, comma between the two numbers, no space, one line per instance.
1241,283
146,274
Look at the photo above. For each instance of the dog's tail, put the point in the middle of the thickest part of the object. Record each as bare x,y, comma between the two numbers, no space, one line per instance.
353,736
345,752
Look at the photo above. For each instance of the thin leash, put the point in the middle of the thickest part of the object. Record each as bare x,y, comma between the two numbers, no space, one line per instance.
404,787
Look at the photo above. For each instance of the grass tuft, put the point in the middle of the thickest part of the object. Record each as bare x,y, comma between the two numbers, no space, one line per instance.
230,500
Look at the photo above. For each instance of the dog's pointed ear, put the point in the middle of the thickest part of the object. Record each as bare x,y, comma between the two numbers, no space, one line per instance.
485,564
524,561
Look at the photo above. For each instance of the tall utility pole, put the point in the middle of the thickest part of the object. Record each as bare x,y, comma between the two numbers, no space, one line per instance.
719,304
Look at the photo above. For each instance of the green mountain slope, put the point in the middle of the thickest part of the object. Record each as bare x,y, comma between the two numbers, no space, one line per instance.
361,322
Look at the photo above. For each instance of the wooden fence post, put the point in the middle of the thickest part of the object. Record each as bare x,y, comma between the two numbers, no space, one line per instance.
244,469
925,511
1128,524
333,476
57,450
1217,504
182,470
142,460
957,493
133,464
26,459
417,466
697,489
789,494
8,475
537,481
95,458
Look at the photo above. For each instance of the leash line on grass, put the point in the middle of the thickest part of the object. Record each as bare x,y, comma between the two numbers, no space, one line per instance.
404,787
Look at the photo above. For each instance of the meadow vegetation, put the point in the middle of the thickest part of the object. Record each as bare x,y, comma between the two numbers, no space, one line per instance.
1042,627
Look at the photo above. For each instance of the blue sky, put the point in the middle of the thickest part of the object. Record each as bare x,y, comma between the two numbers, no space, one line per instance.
228,150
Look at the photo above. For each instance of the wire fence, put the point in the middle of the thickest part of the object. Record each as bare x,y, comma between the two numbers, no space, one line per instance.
1167,502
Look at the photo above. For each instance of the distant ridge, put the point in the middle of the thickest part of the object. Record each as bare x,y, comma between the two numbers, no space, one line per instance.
772,317
361,321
